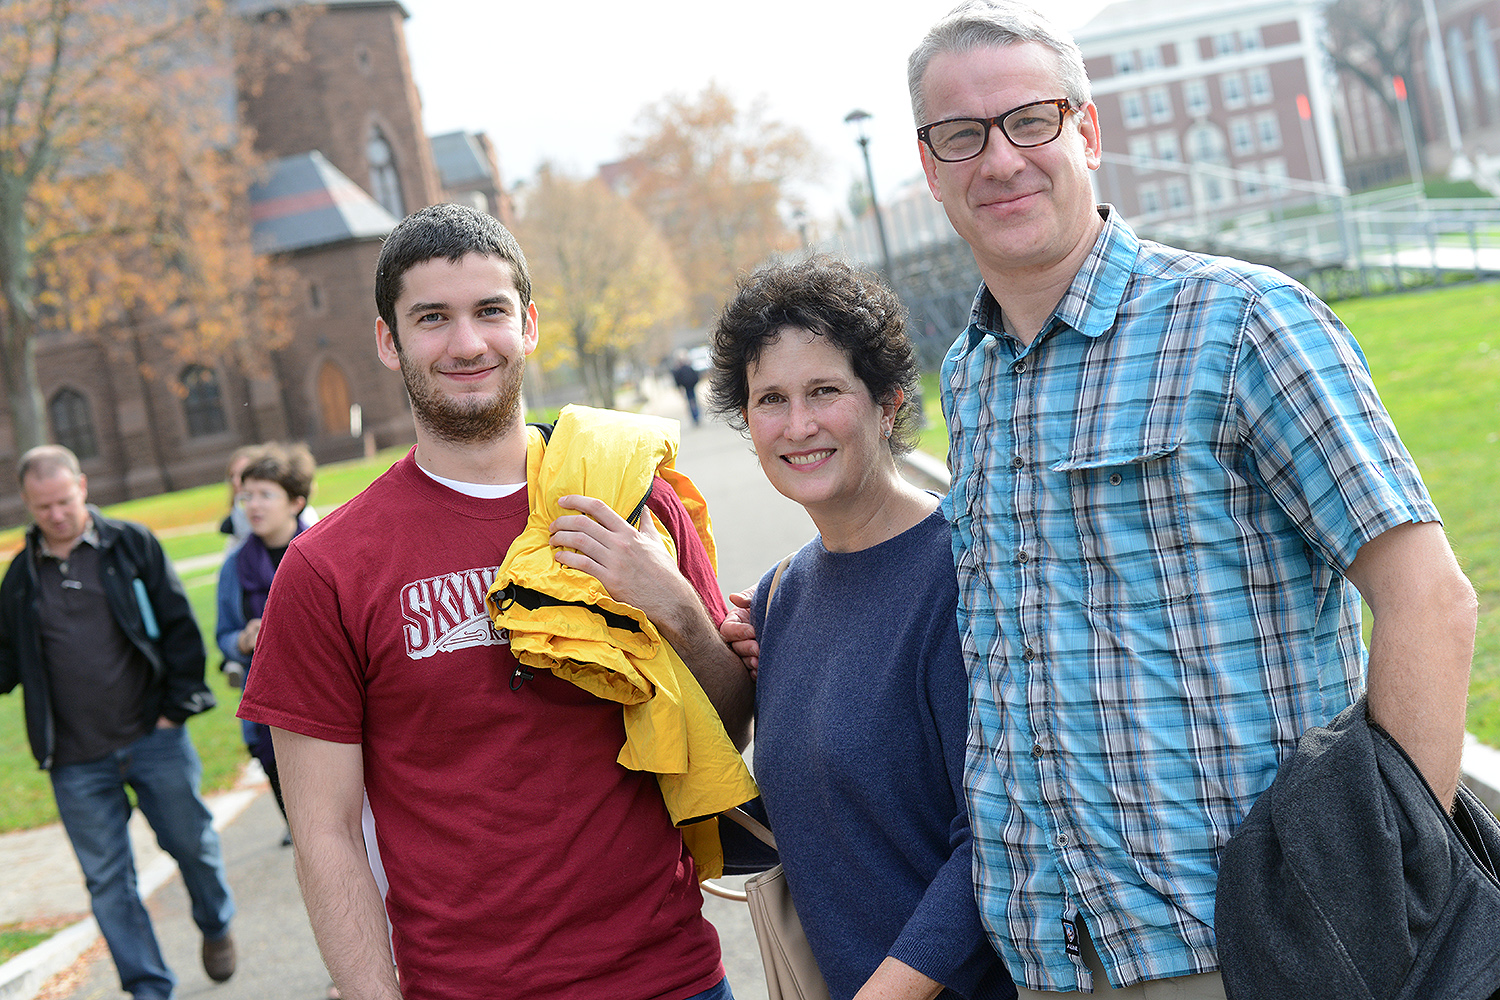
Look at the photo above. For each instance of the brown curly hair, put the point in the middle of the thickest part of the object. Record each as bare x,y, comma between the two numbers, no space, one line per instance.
854,309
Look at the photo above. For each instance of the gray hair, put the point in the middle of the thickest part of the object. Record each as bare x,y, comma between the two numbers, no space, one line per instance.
45,461
978,24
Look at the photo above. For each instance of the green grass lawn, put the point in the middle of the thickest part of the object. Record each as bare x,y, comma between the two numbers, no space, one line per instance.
1436,359
16,938
1435,356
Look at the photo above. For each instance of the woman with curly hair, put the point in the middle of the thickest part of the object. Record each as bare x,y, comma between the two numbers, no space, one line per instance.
861,697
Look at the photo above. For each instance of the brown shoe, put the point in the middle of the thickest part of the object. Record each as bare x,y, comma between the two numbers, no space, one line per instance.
218,958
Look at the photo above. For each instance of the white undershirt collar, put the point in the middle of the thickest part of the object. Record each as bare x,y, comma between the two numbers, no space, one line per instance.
479,491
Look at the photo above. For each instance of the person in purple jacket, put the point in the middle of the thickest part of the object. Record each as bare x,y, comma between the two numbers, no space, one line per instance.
861,697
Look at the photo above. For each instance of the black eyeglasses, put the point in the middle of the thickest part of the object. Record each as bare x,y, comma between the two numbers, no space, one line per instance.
1036,124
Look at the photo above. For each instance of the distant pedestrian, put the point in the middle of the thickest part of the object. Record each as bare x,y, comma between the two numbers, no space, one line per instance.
273,493
686,377
96,626
234,524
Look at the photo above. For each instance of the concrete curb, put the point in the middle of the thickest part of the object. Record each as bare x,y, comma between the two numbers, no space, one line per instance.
23,977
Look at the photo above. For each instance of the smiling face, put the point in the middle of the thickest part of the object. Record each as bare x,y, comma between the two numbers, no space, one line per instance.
819,434
464,337
1020,209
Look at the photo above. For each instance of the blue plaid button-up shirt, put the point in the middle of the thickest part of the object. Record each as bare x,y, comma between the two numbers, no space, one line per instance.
1152,507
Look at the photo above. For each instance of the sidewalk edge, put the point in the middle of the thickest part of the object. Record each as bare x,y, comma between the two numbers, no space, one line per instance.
23,977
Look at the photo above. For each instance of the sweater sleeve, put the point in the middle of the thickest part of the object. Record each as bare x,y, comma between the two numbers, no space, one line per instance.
944,939
231,616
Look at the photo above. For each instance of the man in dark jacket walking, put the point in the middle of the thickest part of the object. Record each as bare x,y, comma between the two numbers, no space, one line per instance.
96,626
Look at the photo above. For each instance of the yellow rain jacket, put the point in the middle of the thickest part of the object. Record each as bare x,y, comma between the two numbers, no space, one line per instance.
561,619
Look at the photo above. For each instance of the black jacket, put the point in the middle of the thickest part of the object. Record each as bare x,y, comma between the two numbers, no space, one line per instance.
1348,879
172,644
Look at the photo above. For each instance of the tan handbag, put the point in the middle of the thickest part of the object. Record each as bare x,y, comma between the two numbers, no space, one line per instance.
791,971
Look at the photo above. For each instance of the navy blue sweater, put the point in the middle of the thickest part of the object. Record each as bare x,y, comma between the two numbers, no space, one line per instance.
861,724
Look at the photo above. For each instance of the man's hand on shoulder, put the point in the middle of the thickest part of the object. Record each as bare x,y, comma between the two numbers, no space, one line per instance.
636,568
632,564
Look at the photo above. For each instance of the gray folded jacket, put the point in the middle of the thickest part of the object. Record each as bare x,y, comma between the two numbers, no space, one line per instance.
1347,879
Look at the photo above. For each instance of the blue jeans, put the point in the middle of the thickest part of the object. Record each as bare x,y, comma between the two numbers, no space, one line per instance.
719,992
165,772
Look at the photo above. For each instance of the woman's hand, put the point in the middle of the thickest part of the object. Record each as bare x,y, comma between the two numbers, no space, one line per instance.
895,980
739,632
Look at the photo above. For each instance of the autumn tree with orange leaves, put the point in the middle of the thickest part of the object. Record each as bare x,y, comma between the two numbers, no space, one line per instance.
716,179
603,278
123,187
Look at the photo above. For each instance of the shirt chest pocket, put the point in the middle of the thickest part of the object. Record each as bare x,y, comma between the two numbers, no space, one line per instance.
1127,505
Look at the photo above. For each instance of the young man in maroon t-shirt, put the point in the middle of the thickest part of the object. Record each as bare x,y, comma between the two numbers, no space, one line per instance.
522,859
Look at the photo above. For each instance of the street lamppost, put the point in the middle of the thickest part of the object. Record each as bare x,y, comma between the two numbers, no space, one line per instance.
857,118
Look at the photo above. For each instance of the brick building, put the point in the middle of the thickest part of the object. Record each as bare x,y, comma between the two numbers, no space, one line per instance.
347,157
1455,96
1210,110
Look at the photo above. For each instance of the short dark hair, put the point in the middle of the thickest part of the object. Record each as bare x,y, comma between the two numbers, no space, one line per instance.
289,466
450,232
855,310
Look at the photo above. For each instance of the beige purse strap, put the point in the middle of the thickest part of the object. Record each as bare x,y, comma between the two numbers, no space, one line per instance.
757,829
776,579
760,832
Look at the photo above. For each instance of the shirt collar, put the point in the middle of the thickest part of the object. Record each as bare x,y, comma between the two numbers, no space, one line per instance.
1093,297
90,537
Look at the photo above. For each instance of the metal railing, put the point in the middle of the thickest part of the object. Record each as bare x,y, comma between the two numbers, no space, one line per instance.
1337,243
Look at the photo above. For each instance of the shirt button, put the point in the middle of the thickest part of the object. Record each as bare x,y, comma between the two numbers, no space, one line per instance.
1115,480
1028,654
1019,367
1023,556
1038,751
1016,462
1062,840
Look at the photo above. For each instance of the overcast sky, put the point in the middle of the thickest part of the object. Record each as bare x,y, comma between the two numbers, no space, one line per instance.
565,81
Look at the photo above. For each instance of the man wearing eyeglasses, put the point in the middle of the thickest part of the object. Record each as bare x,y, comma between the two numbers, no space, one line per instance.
1173,481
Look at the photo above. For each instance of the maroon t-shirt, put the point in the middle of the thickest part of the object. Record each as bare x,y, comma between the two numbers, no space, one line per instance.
523,860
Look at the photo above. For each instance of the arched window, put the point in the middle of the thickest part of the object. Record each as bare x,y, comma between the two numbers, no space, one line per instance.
385,182
72,423
203,406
